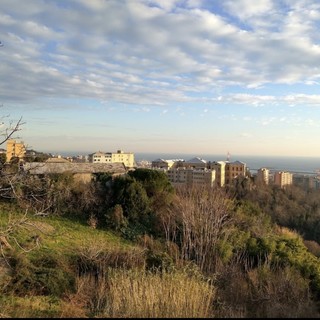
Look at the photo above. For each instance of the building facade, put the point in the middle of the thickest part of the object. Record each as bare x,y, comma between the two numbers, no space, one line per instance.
118,157
263,176
15,150
220,169
234,170
191,177
282,178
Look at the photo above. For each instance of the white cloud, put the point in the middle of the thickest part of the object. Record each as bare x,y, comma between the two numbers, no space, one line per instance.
158,52
245,9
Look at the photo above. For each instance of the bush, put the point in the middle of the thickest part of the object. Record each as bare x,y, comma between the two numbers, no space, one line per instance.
44,275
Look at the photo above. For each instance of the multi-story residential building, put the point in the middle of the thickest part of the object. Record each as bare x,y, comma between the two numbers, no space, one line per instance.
178,176
107,157
282,178
15,150
234,170
191,177
121,157
263,176
204,177
219,167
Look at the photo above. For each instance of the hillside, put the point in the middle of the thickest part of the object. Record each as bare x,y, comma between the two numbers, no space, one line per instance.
136,247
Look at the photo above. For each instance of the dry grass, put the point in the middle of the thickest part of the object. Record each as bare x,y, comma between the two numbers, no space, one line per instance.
29,307
136,294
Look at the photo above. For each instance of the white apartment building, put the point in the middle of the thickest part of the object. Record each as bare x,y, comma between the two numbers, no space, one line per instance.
282,178
118,157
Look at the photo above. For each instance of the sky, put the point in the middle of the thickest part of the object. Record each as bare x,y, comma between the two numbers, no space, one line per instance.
163,76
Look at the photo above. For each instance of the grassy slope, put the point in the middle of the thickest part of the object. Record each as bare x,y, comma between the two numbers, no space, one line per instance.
57,237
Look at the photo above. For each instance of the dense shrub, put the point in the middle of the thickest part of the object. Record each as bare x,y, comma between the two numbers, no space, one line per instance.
43,275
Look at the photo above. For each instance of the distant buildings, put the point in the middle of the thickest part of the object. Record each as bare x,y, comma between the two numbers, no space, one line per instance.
195,171
107,157
198,171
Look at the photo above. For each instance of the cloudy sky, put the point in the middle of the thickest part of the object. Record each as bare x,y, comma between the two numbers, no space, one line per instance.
163,76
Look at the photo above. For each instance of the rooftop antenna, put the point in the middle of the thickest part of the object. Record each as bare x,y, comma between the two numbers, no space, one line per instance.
228,156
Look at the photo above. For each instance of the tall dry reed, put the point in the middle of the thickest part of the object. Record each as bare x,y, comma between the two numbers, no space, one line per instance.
136,294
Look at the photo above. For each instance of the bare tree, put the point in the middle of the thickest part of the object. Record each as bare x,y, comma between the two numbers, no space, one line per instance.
9,129
204,215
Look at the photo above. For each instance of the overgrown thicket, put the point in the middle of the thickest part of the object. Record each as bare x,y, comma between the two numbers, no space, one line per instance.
243,251
292,207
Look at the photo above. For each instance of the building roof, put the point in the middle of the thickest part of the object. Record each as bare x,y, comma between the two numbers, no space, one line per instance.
196,160
237,163
168,160
61,167
98,153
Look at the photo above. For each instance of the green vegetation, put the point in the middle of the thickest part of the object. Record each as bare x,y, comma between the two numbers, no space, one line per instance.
134,246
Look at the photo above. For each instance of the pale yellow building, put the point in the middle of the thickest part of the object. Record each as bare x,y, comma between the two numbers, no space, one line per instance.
118,157
15,149
121,157
282,178
220,169
263,176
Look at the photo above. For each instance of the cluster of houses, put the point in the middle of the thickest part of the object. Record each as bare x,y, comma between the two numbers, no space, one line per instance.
220,173
195,171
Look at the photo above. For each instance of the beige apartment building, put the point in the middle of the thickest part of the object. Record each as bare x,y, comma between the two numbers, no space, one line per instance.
234,170
15,149
263,176
191,177
282,178
118,157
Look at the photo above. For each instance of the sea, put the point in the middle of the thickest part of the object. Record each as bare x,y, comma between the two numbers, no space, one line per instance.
299,165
